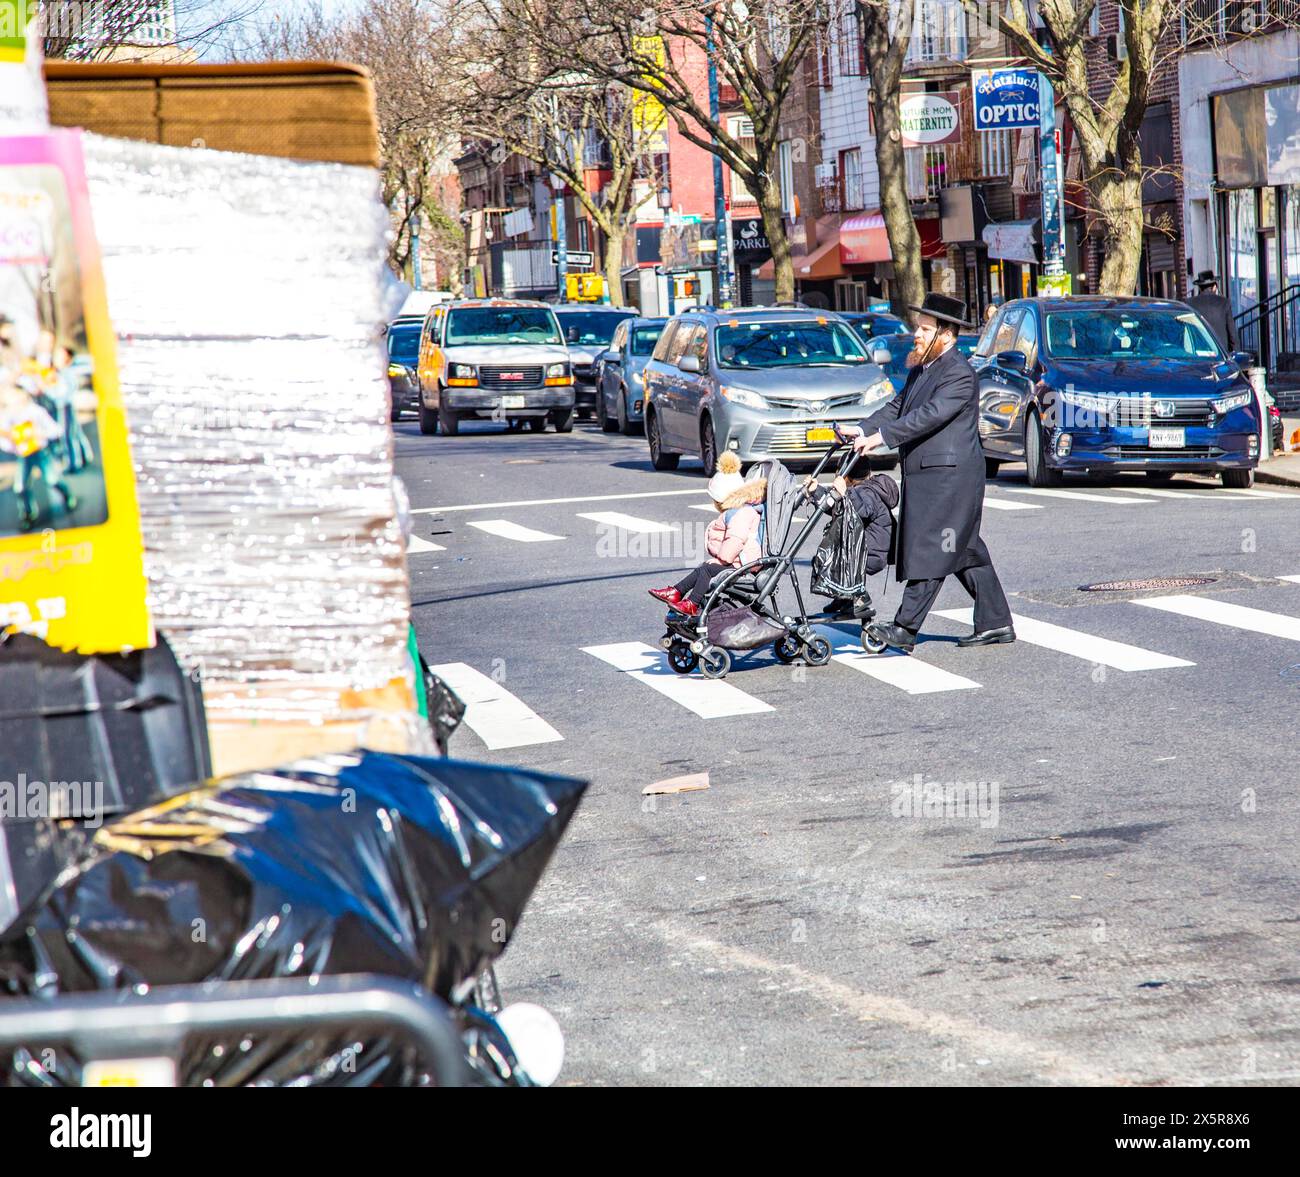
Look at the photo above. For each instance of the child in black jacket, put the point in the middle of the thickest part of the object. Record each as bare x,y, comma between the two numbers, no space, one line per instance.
872,498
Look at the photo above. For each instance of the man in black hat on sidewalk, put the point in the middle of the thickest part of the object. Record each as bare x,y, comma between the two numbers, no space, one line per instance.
1215,310
933,422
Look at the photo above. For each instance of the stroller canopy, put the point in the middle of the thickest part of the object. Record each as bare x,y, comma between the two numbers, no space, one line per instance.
779,504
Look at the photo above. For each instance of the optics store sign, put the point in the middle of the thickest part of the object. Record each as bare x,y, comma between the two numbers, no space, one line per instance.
1005,98
929,118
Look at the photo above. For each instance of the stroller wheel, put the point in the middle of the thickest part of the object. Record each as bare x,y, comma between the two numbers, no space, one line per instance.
682,658
786,648
715,662
871,641
817,652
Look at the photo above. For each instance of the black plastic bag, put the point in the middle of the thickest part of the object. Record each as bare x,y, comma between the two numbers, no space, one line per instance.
409,867
740,628
839,565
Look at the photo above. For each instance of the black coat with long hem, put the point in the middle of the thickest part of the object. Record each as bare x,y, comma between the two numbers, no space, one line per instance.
933,423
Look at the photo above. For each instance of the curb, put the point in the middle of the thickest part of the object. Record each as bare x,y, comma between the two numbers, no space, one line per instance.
1278,477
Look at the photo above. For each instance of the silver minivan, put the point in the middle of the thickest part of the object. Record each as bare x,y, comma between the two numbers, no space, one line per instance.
764,382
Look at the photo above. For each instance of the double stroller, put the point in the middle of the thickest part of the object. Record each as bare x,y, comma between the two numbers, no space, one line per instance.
741,614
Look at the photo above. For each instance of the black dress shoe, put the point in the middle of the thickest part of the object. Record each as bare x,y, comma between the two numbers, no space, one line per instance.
893,635
989,637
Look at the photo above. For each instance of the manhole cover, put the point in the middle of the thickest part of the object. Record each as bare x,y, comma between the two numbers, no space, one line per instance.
1155,582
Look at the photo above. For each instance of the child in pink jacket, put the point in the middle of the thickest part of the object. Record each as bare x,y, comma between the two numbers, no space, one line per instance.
732,540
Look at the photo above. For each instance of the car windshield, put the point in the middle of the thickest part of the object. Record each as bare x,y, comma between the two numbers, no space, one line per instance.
589,328
502,325
966,344
1139,333
645,338
404,343
787,345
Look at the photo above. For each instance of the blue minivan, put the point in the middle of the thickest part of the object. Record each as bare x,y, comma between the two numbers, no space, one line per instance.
1102,384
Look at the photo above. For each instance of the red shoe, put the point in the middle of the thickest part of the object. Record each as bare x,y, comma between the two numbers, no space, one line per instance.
669,596
687,607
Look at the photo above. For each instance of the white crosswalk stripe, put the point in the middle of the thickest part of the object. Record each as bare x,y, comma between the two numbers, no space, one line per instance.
415,545
1255,494
1082,496
1293,579
905,671
1007,505
1161,493
492,713
1277,625
1118,655
507,530
704,507
627,522
707,698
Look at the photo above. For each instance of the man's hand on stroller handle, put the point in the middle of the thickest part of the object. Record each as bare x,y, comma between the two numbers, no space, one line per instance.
864,445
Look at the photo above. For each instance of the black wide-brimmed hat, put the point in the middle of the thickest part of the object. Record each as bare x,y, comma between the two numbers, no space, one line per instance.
944,308
1205,278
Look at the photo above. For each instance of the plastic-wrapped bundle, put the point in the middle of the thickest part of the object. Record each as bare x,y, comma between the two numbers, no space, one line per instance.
248,296
406,867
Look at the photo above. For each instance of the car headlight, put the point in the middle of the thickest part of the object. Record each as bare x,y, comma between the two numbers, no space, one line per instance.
637,378
554,370
743,396
1234,400
881,390
463,372
1089,402
396,370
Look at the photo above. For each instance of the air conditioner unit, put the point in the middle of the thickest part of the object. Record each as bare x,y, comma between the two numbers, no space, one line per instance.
825,175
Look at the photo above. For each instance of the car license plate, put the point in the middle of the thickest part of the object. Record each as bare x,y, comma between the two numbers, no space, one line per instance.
129,1072
512,402
1167,439
821,433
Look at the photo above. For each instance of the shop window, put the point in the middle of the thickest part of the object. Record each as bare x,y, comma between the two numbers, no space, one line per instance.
995,153
851,174
741,129
785,159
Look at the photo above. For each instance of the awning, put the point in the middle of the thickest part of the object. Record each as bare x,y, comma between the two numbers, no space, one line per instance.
823,262
1014,241
863,240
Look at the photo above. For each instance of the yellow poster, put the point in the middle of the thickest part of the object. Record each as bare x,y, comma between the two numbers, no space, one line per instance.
71,556
649,119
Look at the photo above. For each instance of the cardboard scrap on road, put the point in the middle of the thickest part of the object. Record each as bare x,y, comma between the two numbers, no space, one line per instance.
693,783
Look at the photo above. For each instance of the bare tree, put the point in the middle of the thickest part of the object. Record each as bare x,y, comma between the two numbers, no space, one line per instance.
661,48
405,44
82,30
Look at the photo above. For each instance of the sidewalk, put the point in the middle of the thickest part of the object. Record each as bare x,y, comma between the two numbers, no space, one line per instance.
1284,469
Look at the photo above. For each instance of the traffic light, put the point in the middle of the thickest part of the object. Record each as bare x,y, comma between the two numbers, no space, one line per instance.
690,288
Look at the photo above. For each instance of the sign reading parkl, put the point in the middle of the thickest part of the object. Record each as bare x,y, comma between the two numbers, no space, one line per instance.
1005,98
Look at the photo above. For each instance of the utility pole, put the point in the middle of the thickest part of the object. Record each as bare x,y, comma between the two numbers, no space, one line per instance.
722,252
415,251
561,238
1054,279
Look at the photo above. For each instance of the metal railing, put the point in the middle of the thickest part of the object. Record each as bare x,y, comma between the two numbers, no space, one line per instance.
1272,326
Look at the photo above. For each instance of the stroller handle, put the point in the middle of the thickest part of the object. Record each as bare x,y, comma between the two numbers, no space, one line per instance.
845,461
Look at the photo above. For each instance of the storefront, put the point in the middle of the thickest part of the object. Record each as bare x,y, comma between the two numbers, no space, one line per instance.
1257,162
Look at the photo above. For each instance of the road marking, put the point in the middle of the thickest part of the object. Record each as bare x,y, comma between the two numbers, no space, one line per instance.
1169,494
1276,625
904,671
627,522
492,713
645,494
416,544
1293,579
708,698
1000,505
704,507
1254,494
1043,492
1119,655
507,530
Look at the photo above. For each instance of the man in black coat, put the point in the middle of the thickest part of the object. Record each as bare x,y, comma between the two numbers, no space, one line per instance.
1215,310
933,422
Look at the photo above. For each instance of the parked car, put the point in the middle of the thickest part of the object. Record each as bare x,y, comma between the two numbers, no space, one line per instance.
869,323
620,375
766,383
898,347
497,359
403,366
1102,384
588,331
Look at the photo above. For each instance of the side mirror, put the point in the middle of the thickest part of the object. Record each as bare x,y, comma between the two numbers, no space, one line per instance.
882,356
1016,361
689,364
612,357
1243,359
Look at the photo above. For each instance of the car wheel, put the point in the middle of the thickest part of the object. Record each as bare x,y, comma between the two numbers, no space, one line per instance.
562,419
1160,475
448,422
708,447
658,458
394,409
1036,467
537,424
607,423
428,420
1238,479
991,468
625,427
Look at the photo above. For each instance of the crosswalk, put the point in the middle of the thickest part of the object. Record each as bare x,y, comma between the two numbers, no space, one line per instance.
502,720
664,513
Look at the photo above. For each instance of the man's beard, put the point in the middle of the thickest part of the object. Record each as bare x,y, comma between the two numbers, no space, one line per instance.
915,356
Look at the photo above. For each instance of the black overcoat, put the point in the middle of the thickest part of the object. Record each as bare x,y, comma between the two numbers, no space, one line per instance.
933,423
1217,313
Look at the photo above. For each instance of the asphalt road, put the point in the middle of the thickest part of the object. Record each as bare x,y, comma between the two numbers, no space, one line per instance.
1112,898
